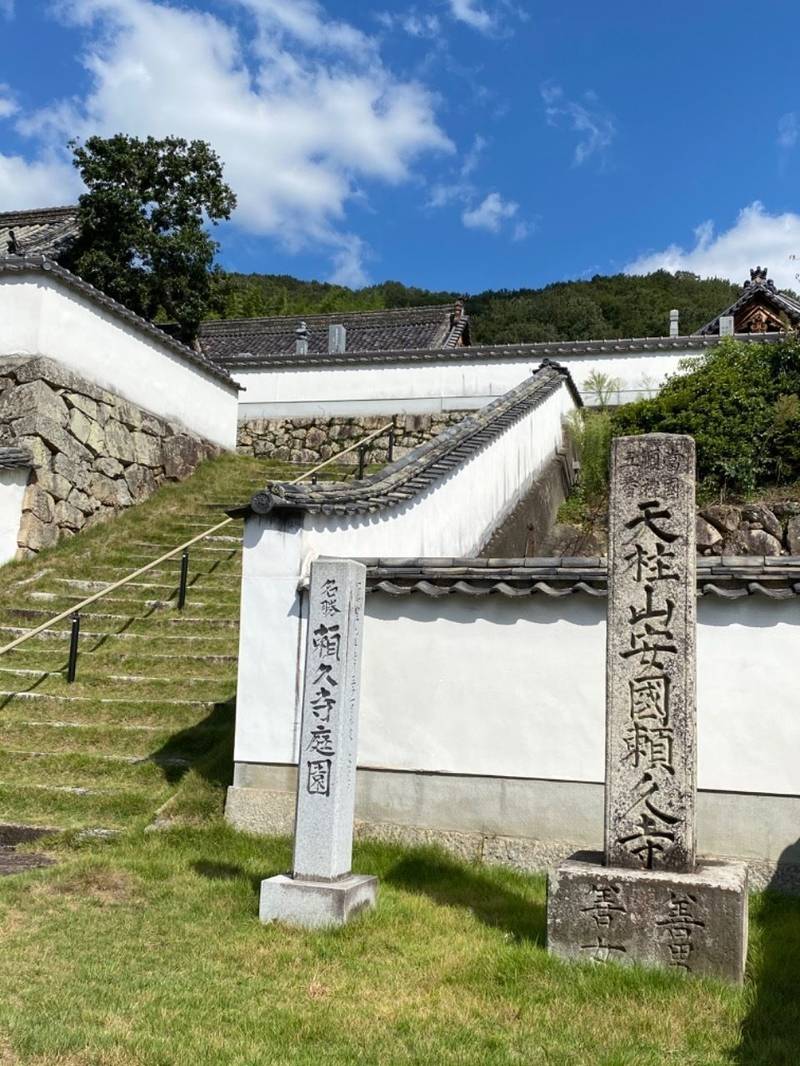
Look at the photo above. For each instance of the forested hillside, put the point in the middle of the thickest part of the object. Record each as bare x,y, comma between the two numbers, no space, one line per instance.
615,306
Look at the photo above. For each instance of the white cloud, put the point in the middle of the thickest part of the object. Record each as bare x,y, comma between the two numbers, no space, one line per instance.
472,14
412,22
756,237
300,108
490,214
43,182
8,104
596,128
788,130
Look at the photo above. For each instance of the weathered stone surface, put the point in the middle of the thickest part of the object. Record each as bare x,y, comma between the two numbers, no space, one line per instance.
724,517
759,542
108,491
38,449
38,502
793,535
34,397
329,728
707,536
758,516
88,407
57,485
96,439
181,456
147,450
119,442
79,425
57,375
81,501
55,436
141,482
74,472
68,516
313,904
109,467
689,922
651,714
128,414
35,534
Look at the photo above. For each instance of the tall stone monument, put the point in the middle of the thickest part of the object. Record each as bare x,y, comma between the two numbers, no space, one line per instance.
648,900
322,890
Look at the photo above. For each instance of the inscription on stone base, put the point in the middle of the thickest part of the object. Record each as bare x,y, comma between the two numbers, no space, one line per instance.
692,923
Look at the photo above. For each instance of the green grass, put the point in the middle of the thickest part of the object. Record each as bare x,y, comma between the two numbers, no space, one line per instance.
148,950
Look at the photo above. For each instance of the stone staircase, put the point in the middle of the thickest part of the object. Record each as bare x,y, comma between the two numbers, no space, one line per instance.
154,695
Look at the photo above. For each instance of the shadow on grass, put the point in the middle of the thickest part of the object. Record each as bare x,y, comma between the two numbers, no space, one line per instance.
486,894
206,746
771,1031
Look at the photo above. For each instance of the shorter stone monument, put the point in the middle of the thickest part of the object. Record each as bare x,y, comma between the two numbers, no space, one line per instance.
322,890
648,900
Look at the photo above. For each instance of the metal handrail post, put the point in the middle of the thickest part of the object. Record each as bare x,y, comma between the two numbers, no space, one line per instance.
72,665
184,576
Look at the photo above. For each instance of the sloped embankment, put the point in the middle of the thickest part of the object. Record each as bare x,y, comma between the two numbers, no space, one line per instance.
153,700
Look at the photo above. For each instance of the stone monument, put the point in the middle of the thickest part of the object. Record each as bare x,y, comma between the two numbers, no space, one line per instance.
321,889
648,900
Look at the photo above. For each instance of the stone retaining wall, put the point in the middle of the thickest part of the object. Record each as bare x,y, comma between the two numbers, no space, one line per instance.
312,440
94,453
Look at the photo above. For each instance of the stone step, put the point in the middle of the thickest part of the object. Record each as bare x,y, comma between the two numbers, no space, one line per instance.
12,632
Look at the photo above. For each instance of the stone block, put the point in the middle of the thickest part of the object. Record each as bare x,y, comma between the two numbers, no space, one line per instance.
316,904
35,534
707,535
688,922
36,398
128,414
54,483
141,482
147,450
96,440
57,375
38,449
76,473
119,442
109,467
53,434
181,456
109,492
793,535
81,501
38,502
79,425
760,542
67,516
86,406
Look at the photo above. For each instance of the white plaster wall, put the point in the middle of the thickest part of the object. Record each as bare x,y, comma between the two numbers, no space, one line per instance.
12,491
454,517
516,688
40,316
426,387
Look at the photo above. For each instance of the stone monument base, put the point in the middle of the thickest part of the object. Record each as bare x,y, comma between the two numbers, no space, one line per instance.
316,904
692,922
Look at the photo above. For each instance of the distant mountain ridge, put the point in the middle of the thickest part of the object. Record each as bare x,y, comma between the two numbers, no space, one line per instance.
603,307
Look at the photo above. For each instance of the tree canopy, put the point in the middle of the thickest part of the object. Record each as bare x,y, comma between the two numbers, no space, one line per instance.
143,237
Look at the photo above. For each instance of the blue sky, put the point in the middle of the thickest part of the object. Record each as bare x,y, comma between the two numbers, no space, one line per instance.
452,144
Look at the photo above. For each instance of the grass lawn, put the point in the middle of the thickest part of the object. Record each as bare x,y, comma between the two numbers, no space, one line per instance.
147,949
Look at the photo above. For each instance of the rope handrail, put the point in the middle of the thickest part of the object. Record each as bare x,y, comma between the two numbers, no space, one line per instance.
78,607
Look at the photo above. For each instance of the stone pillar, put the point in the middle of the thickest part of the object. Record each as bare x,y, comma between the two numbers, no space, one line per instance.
648,900
321,889
650,678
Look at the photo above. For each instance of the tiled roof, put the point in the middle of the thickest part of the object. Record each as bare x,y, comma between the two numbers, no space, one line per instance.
479,353
760,290
423,466
45,231
12,457
14,264
252,342
728,577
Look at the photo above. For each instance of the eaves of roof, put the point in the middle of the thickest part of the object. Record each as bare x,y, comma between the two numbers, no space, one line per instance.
421,468
499,352
18,264
728,577
780,301
12,457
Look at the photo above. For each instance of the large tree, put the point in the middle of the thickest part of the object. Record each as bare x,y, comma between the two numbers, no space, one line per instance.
143,237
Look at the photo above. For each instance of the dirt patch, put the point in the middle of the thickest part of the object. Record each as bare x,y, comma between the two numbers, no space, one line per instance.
108,888
17,862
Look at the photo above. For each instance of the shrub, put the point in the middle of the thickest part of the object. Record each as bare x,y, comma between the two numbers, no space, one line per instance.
590,433
738,402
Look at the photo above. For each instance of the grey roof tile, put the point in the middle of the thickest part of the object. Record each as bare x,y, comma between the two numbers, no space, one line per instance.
253,342
44,231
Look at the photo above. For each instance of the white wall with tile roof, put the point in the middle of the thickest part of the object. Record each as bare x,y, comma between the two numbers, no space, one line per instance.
12,492
438,385
39,315
455,516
